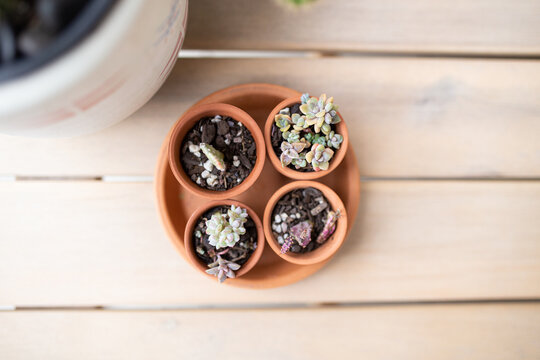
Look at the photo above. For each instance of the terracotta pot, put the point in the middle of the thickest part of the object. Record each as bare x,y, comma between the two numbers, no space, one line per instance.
187,121
192,222
339,154
331,245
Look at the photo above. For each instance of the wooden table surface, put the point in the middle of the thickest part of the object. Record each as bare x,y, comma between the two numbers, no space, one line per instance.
442,100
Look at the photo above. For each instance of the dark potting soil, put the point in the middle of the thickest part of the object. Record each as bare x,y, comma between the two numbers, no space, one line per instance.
277,139
239,253
230,137
295,207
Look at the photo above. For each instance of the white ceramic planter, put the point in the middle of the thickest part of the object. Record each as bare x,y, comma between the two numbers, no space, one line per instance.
105,78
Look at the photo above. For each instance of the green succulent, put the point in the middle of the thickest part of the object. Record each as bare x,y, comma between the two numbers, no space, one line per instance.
299,122
291,136
315,139
283,122
300,162
215,156
334,140
319,157
319,111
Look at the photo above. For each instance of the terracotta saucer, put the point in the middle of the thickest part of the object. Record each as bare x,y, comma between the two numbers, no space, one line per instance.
177,204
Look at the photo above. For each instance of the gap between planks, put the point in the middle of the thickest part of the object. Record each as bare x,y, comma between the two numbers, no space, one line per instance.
313,54
272,306
150,179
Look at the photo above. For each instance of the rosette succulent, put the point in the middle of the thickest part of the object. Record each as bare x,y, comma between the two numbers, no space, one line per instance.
223,269
225,229
290,153
319,157
283,122
334,140
319,112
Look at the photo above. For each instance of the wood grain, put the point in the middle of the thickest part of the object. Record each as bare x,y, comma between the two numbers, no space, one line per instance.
406,117
94,243
417,26
431,332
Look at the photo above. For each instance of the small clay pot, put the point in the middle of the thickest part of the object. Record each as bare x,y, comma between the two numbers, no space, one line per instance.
192,222
339,154
187,121
331,245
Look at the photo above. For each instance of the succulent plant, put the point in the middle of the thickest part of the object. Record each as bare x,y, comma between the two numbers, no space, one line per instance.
226,233
286,244
215,156
291,152
300,162
319,157
283,121
301,233
319,111
315,138
222,269
299,122
334,140
237,218
329,226
291,136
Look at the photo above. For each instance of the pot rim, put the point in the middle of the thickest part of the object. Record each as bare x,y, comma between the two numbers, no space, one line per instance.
188,244
341,128
325,251
186,122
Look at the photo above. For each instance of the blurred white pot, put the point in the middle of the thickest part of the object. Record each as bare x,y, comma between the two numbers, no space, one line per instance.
103,79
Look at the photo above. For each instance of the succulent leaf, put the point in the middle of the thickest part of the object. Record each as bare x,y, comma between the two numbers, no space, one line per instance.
301,232
223,269
215,156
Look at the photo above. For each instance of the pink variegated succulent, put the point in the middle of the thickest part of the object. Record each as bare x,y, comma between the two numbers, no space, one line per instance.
223,269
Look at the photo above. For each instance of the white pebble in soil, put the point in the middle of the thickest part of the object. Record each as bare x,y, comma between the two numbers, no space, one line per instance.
216,119
285,111
197,154
283,227
236,162
198,181
284,216
280,240
212,180
298,215
277,219
208,165
240,124
194,148
205,174
227,141
276,228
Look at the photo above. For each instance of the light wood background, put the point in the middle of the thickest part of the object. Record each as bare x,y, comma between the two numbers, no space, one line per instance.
442,100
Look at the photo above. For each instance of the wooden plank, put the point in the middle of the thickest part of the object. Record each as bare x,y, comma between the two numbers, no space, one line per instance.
94,243
425,332
418,26
407,117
